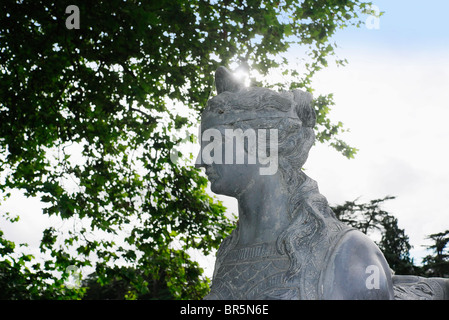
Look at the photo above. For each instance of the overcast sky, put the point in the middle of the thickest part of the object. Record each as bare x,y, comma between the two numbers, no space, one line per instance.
394,97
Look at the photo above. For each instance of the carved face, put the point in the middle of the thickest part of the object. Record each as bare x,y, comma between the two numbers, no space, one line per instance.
230,166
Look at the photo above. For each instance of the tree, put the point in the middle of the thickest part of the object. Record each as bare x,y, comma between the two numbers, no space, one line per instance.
19,281
396,247
369,217
438,264
88,113
155,285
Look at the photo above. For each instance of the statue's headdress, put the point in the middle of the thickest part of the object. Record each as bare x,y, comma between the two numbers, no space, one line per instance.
236,103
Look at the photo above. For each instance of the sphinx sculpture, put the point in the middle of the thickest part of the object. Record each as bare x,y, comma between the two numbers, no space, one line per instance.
288,244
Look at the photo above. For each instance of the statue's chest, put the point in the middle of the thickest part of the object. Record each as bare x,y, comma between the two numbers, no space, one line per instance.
260,272
250,273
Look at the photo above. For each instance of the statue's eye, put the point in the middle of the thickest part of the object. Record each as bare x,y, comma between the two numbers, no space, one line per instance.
220,111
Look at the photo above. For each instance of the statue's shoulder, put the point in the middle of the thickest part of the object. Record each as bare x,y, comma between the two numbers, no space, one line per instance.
357,270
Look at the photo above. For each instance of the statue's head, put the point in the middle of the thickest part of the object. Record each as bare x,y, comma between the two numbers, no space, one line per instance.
248,133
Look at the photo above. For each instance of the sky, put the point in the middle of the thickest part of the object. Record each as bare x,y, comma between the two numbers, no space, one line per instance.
394,97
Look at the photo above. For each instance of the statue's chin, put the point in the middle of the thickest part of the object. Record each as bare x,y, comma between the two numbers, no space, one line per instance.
217,188
213,186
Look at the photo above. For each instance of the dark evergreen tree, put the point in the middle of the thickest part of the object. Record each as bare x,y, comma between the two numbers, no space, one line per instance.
437,265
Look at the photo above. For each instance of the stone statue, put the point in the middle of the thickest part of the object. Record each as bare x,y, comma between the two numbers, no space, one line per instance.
420,288
288,244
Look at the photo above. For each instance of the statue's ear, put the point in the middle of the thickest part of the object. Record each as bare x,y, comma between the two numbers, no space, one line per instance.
225,81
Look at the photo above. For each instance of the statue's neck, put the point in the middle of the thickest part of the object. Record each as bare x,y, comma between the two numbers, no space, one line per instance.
263,212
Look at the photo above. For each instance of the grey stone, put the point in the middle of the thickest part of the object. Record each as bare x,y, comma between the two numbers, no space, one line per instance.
420,288
288,244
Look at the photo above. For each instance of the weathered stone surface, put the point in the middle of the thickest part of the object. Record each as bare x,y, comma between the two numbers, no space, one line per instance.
288,243
420,288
